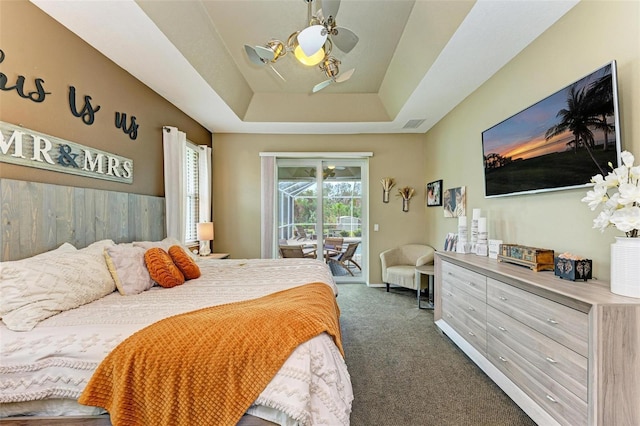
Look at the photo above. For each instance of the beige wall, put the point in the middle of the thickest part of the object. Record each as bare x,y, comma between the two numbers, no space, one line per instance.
236,177
36,46
590,35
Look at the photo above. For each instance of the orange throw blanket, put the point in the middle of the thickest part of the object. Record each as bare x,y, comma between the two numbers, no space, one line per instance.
208,366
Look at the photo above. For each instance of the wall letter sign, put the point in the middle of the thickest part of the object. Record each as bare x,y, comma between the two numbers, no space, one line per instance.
33,149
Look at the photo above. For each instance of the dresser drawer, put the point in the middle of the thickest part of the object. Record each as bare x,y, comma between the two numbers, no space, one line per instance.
465,325
465,280
565,325
559,402
475,308
563,365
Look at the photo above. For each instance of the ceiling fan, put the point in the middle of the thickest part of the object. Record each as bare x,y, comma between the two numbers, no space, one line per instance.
327,172
311,45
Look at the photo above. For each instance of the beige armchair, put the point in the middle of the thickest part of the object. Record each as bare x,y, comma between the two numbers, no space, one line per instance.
399,264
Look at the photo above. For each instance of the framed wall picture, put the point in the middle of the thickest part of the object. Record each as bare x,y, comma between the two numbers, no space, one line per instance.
454,202
434,193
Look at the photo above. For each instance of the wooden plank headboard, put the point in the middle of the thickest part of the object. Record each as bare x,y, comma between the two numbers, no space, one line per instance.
37,217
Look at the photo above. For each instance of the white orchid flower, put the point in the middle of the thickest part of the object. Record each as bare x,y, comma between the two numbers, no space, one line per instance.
626,219
612,180
596,197
627,158
629,194
622,208
601,222
612,203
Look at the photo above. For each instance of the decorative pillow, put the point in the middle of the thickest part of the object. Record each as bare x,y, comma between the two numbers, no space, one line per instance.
127,267
162,269
36,288
99,246
165,245
183,261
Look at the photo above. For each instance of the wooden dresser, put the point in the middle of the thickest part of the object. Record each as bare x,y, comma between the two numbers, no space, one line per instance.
566,352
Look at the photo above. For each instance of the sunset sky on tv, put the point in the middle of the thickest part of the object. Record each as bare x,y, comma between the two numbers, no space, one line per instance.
522,135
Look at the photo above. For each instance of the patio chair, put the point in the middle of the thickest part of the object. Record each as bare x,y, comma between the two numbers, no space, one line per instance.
345,258
301,234
296,251
332,246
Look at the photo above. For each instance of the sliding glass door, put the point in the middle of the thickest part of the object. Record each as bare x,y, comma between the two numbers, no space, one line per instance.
321,206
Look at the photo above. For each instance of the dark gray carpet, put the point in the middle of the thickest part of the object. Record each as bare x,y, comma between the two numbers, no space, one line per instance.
405,372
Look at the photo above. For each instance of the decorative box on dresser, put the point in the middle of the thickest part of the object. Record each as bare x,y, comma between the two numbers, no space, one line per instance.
566,352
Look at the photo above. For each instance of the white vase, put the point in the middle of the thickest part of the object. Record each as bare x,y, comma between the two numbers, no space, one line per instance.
625,267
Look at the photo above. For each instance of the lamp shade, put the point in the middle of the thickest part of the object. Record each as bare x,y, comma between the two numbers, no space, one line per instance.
205,231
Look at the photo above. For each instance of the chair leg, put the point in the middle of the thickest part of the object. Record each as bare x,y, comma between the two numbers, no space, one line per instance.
347,268
387,287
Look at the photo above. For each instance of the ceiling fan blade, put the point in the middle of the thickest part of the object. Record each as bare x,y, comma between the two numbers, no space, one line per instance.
311,39
264,53
345,39
253,55
278,74
345,75
321,86
330,8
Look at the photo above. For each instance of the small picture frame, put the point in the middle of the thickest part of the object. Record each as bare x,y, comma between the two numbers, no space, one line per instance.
454,202
434,193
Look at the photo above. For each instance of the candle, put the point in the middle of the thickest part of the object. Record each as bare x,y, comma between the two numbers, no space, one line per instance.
462,221
482,224
476,213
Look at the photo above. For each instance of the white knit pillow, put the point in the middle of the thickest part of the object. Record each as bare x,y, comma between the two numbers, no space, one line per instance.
127,267
36,288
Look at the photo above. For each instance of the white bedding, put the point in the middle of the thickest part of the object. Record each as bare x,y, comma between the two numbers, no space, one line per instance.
56,359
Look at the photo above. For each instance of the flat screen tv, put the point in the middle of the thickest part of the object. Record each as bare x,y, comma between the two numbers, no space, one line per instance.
557,143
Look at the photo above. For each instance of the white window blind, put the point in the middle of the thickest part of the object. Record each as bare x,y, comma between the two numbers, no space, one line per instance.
192,189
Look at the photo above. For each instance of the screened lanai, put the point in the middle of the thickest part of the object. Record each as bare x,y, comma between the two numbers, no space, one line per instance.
298,220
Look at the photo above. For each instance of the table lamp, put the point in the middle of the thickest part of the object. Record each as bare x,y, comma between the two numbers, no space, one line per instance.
205,234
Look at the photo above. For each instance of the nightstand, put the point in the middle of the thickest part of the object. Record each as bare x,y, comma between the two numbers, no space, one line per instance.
216,256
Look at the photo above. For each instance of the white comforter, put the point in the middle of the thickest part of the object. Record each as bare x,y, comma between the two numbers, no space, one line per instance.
56,359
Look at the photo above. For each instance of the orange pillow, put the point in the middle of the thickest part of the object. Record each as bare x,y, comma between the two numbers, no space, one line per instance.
184,262
162,269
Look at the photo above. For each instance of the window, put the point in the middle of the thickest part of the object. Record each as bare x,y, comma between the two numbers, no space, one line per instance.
192,213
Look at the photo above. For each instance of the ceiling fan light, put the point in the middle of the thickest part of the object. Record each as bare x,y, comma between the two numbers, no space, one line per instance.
312,38
314,59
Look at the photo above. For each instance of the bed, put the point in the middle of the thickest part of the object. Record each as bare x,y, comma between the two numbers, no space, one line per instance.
45,370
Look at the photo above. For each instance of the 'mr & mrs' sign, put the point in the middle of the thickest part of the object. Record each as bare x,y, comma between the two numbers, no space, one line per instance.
33,149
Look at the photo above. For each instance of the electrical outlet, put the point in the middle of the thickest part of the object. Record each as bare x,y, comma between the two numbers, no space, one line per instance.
376,227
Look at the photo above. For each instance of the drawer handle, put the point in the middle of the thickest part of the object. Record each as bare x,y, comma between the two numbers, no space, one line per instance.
449,316
472,284
503,359
502,328
471,333
502,298
552,399
470,308
552,321
449,294
551,360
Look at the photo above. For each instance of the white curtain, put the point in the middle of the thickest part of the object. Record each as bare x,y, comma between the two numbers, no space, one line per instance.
174,145
267,202
204,183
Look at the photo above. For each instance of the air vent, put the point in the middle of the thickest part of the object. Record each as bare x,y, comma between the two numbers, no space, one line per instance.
413,124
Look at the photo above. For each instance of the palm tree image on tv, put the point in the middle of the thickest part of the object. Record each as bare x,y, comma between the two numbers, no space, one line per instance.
557,143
